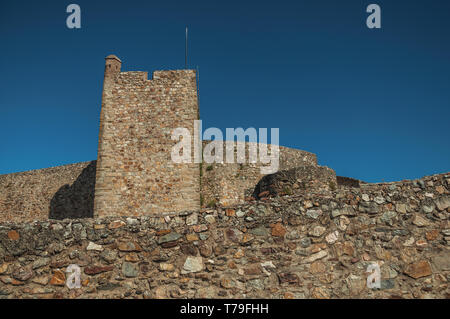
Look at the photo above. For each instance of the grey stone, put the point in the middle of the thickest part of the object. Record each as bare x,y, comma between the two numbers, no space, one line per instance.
108,286
94,246
347,211
387,284
192,264
240,213
428,208
210,219
130,270
388,217
109,255
305,242
369,208
442,262
173,236
192,219
259,231
317,231
313,213
443,203
40,262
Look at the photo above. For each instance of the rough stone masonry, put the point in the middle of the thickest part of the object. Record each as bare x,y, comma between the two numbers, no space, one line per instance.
139,226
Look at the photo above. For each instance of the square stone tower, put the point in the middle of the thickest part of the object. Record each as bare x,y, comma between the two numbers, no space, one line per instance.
135,174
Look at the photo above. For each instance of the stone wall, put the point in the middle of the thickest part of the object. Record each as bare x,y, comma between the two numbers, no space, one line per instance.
57,192
317,244
68,191
135,173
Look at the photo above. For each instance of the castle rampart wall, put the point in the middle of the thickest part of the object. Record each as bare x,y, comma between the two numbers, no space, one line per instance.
317,244
57,192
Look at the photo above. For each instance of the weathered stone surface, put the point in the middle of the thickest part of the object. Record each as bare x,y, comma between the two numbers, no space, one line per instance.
59,278
347,211
442,262
13,235
173,236
116,224
368,207
332,237
94,246
443,202
321,254
22,273
94,270
278,230
234,235
420,221
418,269
317,231
192,264
130,270
129,246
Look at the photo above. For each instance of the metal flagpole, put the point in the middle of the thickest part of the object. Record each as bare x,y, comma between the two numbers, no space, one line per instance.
186,50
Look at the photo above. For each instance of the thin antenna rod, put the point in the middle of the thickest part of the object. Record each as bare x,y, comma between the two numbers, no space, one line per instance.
186,50
198,91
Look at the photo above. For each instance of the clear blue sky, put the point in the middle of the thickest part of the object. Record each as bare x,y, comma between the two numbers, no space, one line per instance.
372,104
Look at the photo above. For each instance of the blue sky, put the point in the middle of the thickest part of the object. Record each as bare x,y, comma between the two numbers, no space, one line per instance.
372,104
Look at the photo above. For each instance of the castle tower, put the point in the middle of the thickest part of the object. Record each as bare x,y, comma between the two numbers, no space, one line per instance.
135,174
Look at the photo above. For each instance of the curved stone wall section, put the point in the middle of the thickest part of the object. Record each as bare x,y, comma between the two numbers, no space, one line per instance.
230,183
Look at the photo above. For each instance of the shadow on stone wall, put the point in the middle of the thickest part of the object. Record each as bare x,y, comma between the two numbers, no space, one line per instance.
76,200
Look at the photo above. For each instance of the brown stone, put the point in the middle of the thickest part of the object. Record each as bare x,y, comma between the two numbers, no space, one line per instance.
58,279
13,235
129,246
288,295
132,257
418,269
15,282
263,194
278,230
94,270
253,270
163,232
191,237
230,212
432,234
317,267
